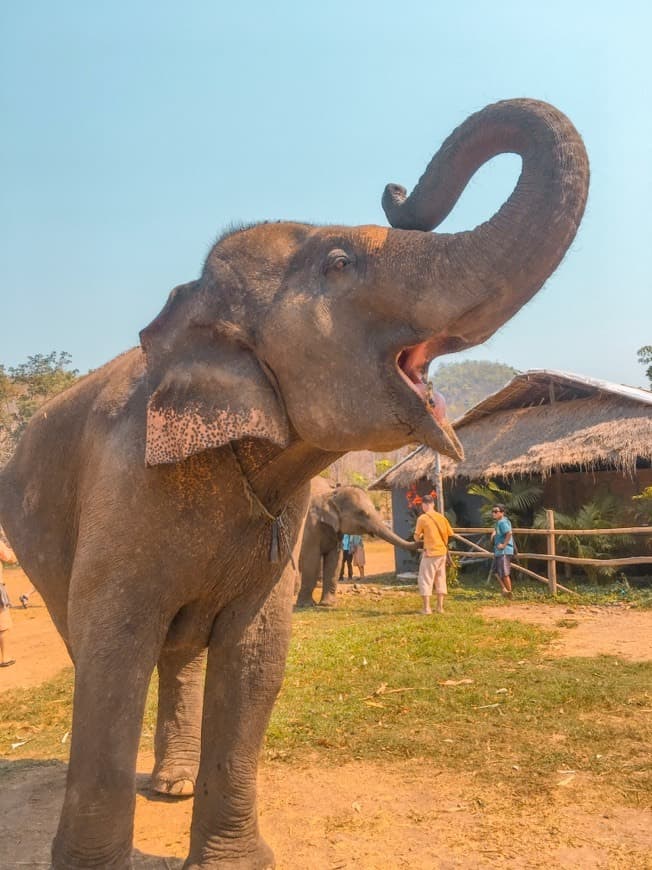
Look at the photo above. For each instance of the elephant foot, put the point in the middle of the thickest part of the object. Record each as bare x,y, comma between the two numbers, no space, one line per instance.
304,602
172,783
261,858
328,601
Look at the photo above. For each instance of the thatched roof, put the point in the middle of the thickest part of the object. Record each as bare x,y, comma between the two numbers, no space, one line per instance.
540,421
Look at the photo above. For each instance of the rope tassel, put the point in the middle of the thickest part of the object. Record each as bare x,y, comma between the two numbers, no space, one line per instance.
279,533
274,549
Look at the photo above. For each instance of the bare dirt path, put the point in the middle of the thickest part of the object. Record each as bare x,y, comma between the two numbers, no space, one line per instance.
362,815
33,641
373,816
615,630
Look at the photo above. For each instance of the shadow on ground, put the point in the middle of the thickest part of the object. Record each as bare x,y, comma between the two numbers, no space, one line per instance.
31,792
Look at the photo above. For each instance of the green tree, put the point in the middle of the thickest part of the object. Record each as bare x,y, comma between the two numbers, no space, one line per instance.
645,358
24,388
464,384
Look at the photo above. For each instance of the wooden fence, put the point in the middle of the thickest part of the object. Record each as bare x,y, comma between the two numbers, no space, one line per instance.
551,556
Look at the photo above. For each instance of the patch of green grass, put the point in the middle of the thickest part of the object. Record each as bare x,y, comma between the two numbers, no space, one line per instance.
377,680
373,679
38,718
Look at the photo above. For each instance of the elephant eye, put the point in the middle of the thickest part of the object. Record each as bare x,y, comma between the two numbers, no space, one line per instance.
337,261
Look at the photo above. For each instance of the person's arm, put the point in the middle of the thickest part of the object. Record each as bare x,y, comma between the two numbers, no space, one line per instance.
418,529
508,538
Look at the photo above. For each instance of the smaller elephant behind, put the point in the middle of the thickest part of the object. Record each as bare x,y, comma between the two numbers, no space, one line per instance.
335,511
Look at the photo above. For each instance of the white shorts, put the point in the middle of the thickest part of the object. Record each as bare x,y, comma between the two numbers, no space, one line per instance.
432,573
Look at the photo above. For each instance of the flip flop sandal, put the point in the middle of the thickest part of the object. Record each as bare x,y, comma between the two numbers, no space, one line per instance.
7,664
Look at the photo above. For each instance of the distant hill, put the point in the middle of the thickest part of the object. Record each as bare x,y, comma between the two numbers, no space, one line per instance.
464,384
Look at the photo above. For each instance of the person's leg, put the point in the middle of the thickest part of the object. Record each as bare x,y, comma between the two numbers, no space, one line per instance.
424,582
349,564
507,579
499,571
5,661
361,570
440,586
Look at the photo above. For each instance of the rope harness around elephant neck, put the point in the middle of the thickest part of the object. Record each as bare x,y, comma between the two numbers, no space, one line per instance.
280,535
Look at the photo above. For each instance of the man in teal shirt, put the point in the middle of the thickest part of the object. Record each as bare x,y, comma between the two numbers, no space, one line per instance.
503,542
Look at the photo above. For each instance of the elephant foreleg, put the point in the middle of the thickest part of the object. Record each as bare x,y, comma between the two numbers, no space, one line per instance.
310,564
113,666
246,661
331,573
178,724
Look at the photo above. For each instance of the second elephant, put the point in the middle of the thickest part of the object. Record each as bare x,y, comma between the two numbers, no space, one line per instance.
335,511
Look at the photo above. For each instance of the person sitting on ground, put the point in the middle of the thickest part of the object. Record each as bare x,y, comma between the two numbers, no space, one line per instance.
6,555
434,530
503,542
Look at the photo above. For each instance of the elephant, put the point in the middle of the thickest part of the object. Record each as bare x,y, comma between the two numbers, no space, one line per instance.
157,504
333,511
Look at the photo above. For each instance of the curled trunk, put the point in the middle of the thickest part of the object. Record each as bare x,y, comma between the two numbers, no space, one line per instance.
510,256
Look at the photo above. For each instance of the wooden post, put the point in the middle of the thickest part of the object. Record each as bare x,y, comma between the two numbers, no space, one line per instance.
551,550
439,489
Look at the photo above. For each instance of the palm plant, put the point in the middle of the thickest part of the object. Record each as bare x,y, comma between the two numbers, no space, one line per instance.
643,505
520,497
602,512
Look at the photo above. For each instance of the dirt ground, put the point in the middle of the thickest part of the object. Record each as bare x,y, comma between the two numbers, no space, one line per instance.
374,816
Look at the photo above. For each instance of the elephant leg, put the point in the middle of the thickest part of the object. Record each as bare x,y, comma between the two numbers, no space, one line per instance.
178,724
246,661
331,573
114,654
310,566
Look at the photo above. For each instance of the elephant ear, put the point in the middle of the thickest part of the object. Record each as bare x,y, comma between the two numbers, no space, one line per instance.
328,514
209,389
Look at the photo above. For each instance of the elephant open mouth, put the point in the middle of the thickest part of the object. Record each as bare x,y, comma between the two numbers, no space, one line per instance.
412,364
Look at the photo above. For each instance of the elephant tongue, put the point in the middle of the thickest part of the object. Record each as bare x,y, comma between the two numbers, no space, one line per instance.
412,363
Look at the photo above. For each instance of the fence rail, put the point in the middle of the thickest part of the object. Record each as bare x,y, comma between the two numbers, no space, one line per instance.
551,557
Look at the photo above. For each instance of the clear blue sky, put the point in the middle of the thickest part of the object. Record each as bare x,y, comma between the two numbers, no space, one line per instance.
133,133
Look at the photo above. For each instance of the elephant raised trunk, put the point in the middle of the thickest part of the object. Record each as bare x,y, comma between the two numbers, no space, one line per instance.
510,256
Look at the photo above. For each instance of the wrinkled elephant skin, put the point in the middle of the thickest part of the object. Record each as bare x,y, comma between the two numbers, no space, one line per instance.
334,511
156,502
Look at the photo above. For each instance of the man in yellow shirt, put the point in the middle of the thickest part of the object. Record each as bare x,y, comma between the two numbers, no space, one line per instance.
434,530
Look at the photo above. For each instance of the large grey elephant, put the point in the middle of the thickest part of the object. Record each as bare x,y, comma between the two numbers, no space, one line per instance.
334,511
156,504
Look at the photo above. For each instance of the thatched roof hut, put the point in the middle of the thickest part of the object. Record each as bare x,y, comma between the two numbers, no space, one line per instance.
543,421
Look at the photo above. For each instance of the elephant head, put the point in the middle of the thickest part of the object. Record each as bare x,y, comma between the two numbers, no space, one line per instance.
324,334
349,510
